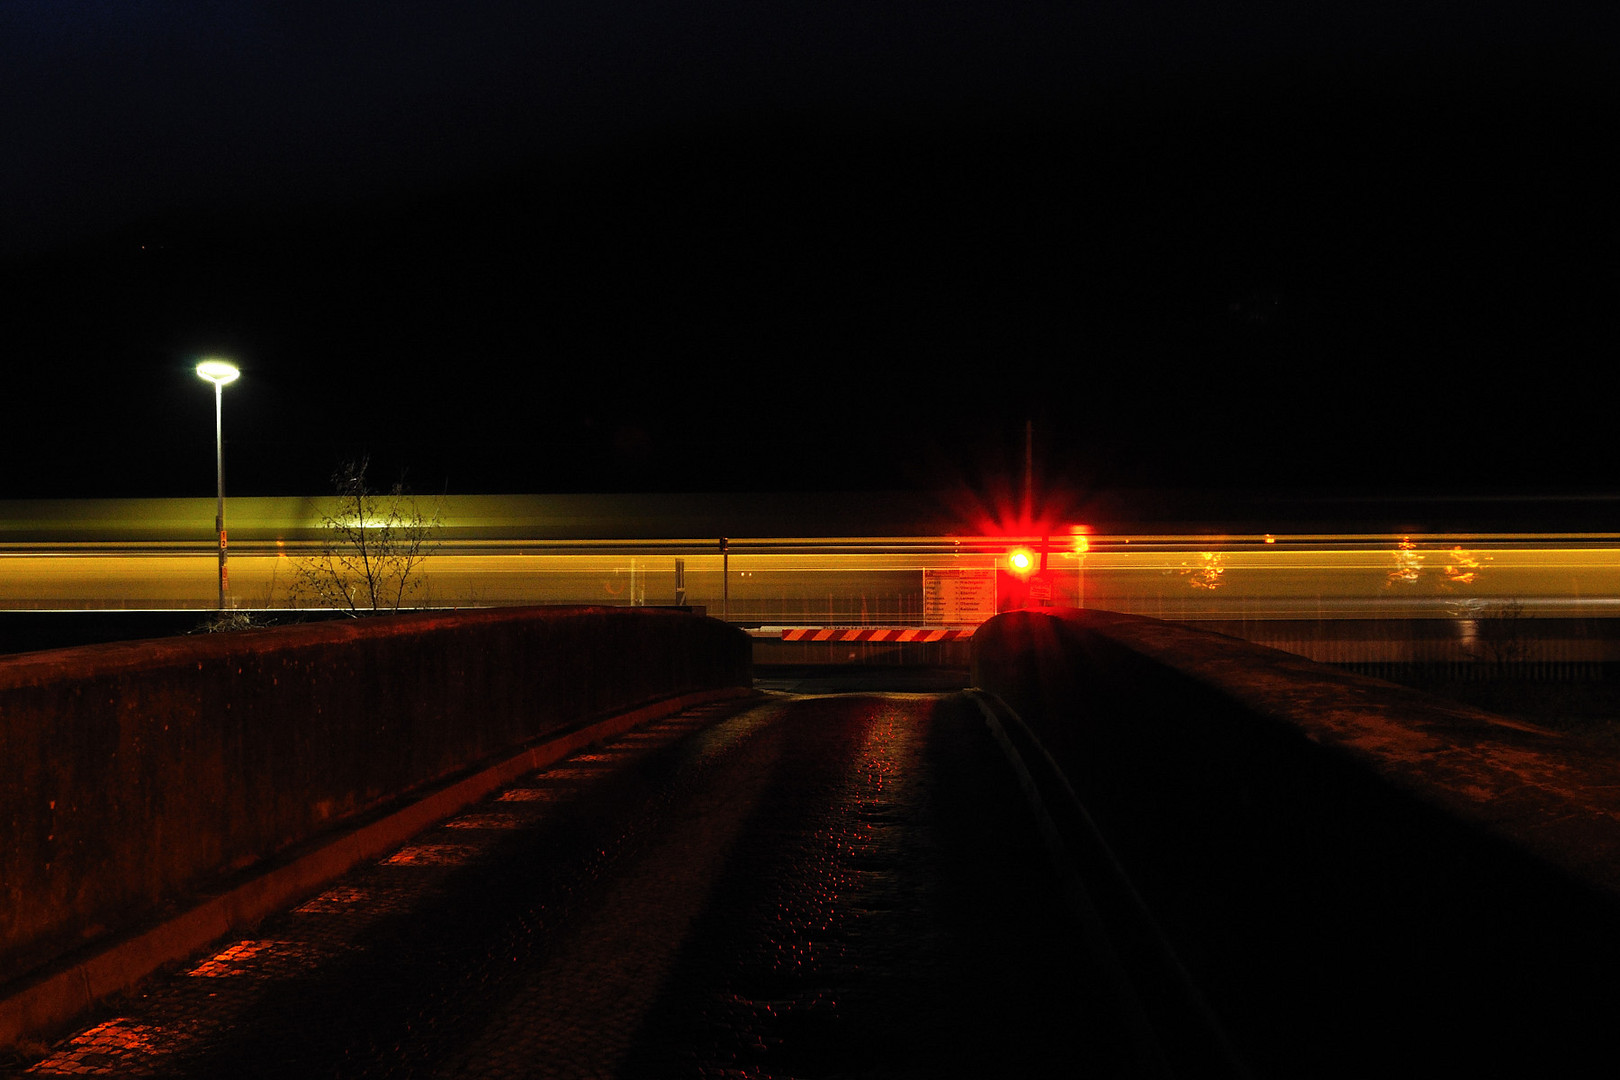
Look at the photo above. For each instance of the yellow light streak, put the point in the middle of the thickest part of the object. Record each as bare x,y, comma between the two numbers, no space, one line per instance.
771,578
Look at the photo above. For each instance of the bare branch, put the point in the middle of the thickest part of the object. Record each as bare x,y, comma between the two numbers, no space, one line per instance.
373,550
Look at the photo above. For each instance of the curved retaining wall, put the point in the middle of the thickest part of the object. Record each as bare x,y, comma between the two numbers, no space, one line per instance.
137,775
1362,880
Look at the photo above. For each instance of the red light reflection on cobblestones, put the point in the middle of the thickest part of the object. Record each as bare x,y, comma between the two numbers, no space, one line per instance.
118,1047
484,821
527,795
429,855
259,959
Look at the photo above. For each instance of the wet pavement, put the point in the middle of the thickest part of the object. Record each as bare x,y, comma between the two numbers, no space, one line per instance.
795,885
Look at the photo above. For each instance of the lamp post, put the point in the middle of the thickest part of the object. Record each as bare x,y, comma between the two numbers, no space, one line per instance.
219,372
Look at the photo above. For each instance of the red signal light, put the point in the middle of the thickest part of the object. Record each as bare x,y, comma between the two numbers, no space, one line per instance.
1021,561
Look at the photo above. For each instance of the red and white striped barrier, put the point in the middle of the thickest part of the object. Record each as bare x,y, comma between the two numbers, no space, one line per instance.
874,633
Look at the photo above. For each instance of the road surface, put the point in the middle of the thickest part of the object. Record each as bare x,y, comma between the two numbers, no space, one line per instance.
806,885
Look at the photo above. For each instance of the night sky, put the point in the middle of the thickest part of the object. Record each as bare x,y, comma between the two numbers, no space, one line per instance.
519,247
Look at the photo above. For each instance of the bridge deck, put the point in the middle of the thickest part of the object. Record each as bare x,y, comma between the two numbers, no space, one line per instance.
790,885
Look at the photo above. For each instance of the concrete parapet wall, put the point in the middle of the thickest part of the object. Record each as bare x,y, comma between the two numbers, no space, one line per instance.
134,776
1363,880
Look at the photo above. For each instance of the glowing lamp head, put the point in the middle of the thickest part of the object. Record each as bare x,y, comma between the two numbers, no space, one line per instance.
1021,561
218,372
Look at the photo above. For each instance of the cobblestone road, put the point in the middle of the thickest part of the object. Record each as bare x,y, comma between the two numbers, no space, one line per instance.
792,886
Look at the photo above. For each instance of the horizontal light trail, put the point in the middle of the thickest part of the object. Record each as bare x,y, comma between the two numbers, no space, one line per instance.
880,580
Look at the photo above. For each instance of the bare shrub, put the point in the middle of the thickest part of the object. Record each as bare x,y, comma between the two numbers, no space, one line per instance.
372,549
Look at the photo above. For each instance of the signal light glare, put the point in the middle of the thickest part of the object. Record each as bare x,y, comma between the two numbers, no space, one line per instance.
1021,561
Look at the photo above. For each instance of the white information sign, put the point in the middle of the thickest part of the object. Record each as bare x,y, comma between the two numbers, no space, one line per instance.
958,597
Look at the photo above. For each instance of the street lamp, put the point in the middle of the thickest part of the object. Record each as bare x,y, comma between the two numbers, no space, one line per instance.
219,372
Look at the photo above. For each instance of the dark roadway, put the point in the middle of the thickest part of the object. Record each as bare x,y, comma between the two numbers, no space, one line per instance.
795,885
